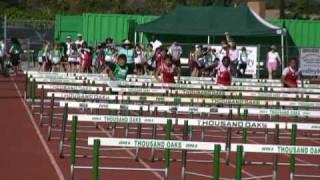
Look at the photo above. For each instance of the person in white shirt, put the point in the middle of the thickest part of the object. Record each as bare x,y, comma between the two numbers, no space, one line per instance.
2,54
79,41
273,61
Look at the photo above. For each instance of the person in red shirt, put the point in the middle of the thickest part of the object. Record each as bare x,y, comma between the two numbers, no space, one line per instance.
167,70
224,77
290,74
160,56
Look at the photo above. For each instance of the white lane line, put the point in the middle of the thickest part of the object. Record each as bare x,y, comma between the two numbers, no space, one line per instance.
43,142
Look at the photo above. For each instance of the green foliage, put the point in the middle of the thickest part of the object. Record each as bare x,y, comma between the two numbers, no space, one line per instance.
47,9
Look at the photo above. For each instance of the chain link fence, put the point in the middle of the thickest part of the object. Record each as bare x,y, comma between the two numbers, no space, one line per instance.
31,34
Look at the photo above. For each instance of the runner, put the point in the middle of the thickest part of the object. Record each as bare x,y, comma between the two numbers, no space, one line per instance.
149,57
167,71
121,69
55,56
290,74
273,61
73,58
15,51
175,51
139,59
110,55
224,77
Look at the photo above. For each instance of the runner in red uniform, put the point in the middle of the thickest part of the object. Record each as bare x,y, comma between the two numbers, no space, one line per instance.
167,70
290,74
223,73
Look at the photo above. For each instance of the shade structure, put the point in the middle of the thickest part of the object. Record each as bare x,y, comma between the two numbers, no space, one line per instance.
210,21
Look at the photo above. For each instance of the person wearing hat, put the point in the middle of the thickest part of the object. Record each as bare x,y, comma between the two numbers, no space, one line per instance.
79,41
273,61
128,51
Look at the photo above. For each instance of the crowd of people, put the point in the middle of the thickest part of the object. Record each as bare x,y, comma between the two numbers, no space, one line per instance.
164,62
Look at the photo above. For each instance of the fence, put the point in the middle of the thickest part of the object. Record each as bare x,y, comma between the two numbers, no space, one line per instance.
30,33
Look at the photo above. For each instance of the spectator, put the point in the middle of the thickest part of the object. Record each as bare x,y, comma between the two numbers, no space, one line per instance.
161,56
128,51
2,55
15,52
139,60
175,51
223,73
41,58
273,61
167,71
73,58
243,59
110,54
149,57
291,74
233,55
86,58
79,41
120,70
55,56
98,59
155,43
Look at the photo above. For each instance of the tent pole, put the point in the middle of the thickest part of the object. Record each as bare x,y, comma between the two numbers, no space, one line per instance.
135,38
208,39
282,51
141,37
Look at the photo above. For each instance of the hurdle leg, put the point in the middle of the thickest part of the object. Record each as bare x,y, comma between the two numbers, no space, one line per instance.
95,165
154,135
51,117
245,134
184,152
216,162
26,87
167,151
73,144
41,106
63,130
266,129
228,140
292,156
275,156
33,94
239,162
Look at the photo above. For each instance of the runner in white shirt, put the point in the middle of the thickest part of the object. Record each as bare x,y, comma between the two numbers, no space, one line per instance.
273,61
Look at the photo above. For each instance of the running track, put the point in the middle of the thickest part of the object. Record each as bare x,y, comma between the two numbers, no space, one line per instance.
25,152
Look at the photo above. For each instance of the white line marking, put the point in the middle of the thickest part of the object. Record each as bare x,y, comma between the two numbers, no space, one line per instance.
43,142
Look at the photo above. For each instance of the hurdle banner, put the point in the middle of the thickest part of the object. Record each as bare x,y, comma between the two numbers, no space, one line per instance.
278,149
194,122
184,100
162,108
44,80
211,87
158,144
70,87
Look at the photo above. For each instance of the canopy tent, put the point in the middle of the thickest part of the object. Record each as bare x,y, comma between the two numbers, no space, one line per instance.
212,21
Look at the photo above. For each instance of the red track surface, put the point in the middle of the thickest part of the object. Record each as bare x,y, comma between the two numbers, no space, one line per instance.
26,154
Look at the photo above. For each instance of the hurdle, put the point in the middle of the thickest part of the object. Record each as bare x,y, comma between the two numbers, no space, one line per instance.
184,86
96,155
181,121
158,144
275,149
